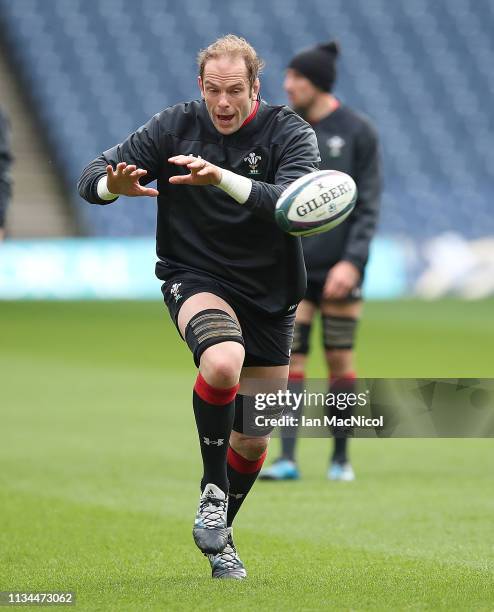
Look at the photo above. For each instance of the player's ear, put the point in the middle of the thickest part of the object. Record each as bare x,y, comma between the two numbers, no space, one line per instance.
255,89
201,87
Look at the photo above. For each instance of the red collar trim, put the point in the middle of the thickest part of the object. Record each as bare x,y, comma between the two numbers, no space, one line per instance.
252,114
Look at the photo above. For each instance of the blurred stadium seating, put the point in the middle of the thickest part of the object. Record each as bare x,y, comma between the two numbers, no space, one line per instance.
422,70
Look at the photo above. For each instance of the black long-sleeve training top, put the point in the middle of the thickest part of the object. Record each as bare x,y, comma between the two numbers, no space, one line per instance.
5,163
347,142
202,229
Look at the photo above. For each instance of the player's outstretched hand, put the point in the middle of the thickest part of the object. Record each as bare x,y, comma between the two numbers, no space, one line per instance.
124,180
341,279
201,171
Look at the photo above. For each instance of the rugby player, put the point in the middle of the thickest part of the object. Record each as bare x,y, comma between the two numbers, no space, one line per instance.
335,260
231,278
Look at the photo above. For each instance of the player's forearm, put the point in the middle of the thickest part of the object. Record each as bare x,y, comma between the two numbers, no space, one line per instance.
88,182
141,148
235,185
5,166
3,209
259,197
365,216
360,235
5,192
262,199
298,156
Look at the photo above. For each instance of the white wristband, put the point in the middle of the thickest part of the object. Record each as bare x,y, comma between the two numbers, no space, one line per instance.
102,189
235,185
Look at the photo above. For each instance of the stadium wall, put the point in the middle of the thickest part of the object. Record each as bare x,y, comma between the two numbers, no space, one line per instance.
107,268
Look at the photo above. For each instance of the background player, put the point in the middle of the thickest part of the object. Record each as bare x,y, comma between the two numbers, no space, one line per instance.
335,260
231,277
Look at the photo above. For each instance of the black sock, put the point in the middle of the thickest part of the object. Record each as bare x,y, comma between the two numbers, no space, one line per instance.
289,432
340,450
242,474
342,384
214,412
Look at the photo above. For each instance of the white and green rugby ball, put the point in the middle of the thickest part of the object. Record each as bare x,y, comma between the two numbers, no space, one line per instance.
316,202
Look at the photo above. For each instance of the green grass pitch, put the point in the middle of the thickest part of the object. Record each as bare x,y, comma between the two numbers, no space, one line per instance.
99,468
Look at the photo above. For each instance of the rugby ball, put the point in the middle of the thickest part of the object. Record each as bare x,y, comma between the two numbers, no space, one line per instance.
316,202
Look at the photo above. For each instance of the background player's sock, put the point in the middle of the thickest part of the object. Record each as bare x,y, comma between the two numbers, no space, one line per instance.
341,384
340,450
242,474
289,432
214,412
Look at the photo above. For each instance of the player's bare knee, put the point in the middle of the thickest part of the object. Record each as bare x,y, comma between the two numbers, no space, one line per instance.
221,364
215,339
340,361
251,448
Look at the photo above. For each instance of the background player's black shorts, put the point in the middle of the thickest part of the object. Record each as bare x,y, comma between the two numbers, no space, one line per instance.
268,339
314,292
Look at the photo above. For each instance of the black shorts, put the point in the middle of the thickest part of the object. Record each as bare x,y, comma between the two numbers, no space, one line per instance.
314,292
267,339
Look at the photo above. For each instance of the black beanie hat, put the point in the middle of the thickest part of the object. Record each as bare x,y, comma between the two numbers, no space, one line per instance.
318,64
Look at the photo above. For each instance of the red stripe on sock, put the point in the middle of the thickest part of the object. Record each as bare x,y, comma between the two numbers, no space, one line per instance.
212,395
346,378
296,376
242,465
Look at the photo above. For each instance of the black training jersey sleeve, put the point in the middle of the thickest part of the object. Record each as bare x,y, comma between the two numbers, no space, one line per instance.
203,229
348,142
363,221
142,148
5,163
296,158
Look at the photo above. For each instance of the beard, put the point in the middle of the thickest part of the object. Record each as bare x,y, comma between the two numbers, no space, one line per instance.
304,110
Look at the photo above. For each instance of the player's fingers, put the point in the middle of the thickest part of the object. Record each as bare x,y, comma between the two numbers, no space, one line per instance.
110,172
340,290
138,173
181,160
329,288
197,164
180,179
207,170
120,167
148,191
129,169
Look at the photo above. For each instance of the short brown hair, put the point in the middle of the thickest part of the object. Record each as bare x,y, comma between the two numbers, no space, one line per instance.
233,46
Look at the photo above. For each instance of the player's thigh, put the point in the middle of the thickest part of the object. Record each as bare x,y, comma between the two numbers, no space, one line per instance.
336,308
305,312
199,302
218,359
